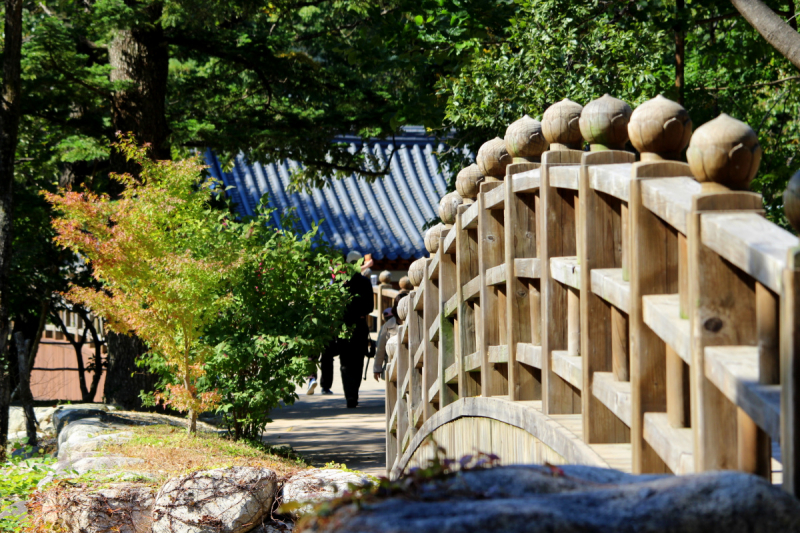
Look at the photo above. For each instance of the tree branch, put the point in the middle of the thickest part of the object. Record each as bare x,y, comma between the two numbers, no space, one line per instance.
772,27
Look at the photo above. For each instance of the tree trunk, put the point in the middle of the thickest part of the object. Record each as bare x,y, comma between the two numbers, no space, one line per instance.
124,380
23,349
140,58
680,54
9,130
772,28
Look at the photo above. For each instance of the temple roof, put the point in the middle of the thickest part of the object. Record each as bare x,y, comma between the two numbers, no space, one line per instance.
383,218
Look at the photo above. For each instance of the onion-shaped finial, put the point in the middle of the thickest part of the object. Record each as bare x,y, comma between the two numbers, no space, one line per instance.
724,151
604,123
448,207
791,201
468,181
560,125
405,284
391,346
524,139
660,129
416,271
402,308
493,158
385,277
432,238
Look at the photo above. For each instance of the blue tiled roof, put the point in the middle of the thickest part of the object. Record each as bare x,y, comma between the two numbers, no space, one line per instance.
382,218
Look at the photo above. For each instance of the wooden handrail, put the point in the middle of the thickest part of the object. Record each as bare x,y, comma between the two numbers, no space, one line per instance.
647,307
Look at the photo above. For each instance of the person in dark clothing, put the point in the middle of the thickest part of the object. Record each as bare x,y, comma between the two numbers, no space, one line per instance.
352,351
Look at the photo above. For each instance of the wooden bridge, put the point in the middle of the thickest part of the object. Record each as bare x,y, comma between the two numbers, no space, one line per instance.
587,308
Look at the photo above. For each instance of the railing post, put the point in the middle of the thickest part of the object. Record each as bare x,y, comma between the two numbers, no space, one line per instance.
466,316
790,373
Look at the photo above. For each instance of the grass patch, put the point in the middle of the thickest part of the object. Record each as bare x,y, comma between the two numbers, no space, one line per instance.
167,451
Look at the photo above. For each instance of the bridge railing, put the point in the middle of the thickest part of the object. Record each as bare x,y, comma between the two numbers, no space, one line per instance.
651,297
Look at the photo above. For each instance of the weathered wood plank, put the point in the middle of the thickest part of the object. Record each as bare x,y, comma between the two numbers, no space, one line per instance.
494,381
451,374
750,242
433,331
472,362
465,322
671,198
449,243
529,354
496,275
790,373
721,440
569,367
495,198
564,177
612,179
526,182
566,270
433,267
451,306
673,445
662,314
418,355
615,395
557,238
734,371
469,218
527,267
608,284
471,289
498,354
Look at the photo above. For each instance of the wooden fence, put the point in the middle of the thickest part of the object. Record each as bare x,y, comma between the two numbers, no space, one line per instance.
583,307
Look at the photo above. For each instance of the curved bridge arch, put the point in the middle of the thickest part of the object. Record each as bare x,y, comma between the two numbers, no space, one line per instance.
521,417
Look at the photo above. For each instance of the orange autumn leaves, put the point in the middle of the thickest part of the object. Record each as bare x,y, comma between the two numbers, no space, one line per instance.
161,259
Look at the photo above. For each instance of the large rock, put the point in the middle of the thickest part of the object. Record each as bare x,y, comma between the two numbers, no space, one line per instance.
316,484
225,500
572,500
120,507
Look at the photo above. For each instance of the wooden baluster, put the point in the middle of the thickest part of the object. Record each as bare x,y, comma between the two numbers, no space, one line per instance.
520,241
790,369
603,332
467,316
430,356
491,254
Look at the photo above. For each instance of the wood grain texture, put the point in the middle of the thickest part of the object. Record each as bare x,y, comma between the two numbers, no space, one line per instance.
653,270
790,373
466,331
447,340
492,300
608,284
600,245
520,250
722,313
557,238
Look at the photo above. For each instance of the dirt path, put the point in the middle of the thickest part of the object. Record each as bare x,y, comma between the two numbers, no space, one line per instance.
322,429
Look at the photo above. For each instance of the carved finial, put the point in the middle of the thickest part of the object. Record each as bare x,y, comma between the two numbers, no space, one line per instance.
724,151
560,125
660,129
448,207
416,271
791,201
432,238
524,139
468,181
604,123
405,284
391,346
402,308
493,158
385,277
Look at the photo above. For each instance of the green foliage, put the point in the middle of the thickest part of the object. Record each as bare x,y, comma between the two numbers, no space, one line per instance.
19,480
582,50
287,299
231,309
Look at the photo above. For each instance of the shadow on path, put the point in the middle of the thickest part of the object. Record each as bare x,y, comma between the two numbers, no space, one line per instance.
323,429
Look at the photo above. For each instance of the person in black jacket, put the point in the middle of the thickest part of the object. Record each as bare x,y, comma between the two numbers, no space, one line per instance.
352,351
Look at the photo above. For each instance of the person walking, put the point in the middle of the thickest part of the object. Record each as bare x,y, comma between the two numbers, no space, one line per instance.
353,350
337,346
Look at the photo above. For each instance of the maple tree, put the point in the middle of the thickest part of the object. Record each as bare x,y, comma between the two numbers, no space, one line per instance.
160,266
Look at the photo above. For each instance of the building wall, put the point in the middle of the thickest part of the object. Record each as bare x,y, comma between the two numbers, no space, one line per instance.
55,372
